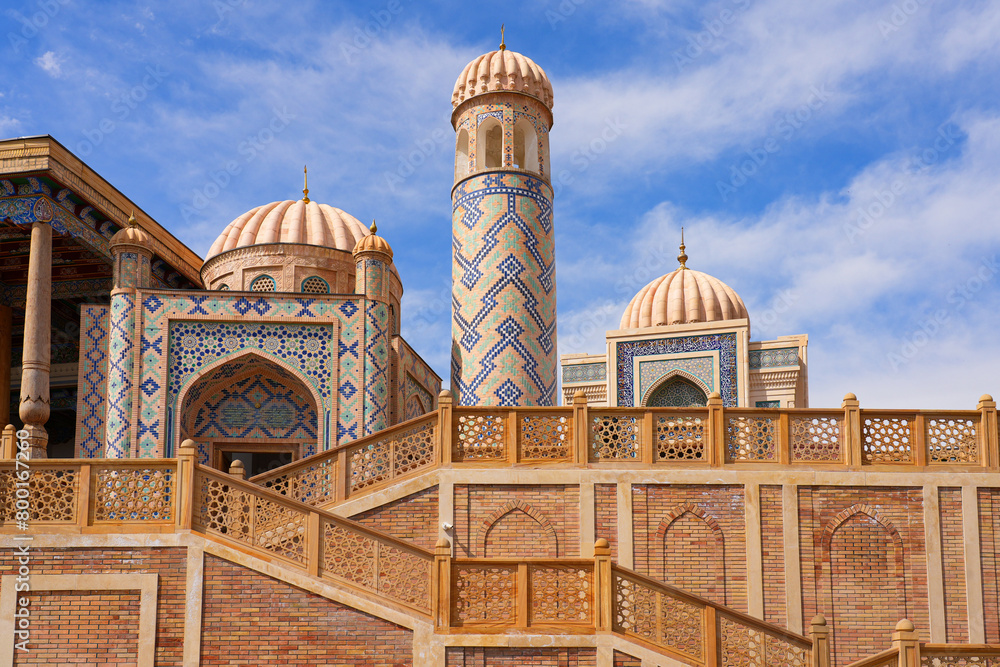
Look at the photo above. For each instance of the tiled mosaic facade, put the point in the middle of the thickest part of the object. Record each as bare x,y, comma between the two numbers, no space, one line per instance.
503,291
93,381
700,370
767,404
786,356
376,366
724,343
585,373
120,364
677,393
255,407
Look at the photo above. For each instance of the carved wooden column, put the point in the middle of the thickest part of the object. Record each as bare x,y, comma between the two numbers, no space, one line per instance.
34,404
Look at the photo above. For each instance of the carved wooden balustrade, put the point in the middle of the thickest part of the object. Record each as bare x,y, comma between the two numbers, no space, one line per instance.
908,651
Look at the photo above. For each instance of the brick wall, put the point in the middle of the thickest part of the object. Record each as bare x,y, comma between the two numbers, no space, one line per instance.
693,537
626,660
521,657
953,560
104,618
413,518
772,542
251,619
606,515
989,538
850,558
517,520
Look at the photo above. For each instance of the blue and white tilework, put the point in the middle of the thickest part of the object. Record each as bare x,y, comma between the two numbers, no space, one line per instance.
120,363
702,369
585,372
724,343
93,381
785,356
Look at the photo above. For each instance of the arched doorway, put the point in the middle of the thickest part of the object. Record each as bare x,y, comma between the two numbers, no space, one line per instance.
677,392
252,410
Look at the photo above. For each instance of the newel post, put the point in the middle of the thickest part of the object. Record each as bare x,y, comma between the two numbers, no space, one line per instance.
988,425
580,427
820,635
907,640
186,454
446,405
441,585
237,470
716,430
603,589
8,443
852,430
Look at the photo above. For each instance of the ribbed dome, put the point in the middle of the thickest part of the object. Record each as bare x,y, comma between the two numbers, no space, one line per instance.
502,70
373,243
130,236
291,222
682,297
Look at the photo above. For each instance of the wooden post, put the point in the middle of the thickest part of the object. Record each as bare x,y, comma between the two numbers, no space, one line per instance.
647,436
907,640
852,431
8,443
919,430
237,470
523,592
716,430
186,454
711,638
603,587
441,585
314,543
784,439
511,436
988,429
445,427
83,497
580,427
820,635
343,472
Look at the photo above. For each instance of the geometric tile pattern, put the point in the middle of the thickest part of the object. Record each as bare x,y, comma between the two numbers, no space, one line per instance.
677,393
255,407
119,404
416,399
767,404
723,343
786,356
702,369
92,381
585,372
503,291
376,385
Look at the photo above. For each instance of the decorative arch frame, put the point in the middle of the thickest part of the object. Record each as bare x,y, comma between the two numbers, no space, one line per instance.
482,143
191,381
302,285
670,375
694,509
259,278
514,506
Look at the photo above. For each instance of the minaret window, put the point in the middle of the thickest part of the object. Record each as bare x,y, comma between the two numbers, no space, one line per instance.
262,284
525,145
489,145
462,155
315,285
223,287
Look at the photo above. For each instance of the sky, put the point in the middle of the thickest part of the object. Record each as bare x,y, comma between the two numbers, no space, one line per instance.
836,162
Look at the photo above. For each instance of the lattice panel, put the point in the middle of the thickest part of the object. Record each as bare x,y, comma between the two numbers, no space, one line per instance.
350,556
563,594
315,285
404,576
134,494
279,529
952,441
887,440
484,594
815,438
741,646
413,449
546,437
480,437
635,609
614,437
51,495
313,485
223,509
959,661
780,652
751,438
680,438
681,626
370,464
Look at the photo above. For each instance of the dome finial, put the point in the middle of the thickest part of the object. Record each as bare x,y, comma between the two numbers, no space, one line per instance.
682,258
305,189
503,43
131,220
373,228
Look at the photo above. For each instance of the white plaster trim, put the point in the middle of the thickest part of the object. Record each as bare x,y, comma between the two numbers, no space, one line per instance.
626,556
195,588
588,520
793,563
935,567
755,568
973,564
146,584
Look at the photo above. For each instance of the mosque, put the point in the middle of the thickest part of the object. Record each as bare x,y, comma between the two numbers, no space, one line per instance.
238,459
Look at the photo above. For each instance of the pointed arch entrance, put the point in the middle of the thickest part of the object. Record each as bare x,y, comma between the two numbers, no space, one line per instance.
677,390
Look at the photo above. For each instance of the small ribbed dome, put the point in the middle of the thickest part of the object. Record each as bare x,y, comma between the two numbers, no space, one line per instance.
131,234
373,243
683,297
502,70
291,222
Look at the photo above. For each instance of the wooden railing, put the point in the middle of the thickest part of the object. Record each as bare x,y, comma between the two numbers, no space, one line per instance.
645,437
908,651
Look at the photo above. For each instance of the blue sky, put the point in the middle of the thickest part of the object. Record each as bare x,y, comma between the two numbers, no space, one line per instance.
837,163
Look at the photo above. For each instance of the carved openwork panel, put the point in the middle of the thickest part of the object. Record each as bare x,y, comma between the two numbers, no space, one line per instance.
134,494
635,609
562,594
279,529
815,438
370,464
222,508
680,438
952,441
484,594
50,494
413,449
314,485
887,440
546,437
779,652
751,438
480,437
404,576
739,645
990,659
614,437
681,626
350,556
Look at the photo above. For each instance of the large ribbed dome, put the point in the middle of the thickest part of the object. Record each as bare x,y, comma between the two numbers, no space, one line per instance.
502,70
683,297
291,222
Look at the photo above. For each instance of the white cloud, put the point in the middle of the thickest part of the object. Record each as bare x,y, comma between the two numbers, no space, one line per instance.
51,63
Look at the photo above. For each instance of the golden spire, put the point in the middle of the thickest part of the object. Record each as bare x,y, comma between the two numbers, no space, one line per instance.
373,228
682,258
503,44
305,190
131,220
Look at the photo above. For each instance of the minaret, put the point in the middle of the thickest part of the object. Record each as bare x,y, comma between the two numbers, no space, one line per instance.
503,254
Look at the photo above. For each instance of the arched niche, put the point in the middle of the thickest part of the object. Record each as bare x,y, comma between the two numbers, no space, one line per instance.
676,389
525,145
462,154
489,144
